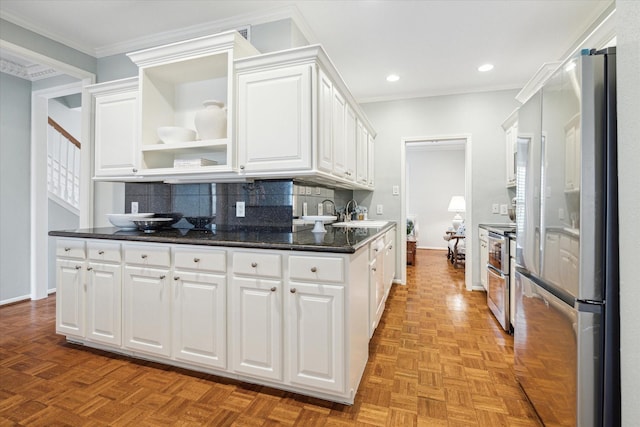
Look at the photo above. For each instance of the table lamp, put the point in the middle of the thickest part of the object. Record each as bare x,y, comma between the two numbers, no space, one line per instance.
457,205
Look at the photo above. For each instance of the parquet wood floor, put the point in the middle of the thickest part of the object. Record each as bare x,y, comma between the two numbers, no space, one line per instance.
438,358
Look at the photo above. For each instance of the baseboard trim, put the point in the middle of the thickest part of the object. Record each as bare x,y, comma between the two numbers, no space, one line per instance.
15,300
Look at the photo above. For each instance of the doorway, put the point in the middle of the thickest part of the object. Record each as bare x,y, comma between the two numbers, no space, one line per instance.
434,218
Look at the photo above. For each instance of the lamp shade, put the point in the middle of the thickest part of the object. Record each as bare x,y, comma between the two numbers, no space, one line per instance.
457,204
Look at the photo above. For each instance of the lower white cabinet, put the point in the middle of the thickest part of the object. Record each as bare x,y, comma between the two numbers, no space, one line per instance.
483,236
199,318
70,297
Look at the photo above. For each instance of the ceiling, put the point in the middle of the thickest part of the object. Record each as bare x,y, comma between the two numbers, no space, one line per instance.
434,46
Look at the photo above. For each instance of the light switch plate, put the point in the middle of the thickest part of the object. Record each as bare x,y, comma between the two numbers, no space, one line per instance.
379,209
503,210
495,208
395,190
240,209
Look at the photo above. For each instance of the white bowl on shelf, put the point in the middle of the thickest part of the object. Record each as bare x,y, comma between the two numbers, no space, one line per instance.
174,134
125,221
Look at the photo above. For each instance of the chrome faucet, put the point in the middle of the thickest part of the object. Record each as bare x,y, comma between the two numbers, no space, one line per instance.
347,213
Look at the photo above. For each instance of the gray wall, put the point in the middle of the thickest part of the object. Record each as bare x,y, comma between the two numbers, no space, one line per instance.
15,125
628,15
477,114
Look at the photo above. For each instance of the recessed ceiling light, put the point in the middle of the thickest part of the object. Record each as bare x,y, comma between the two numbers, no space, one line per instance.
485,67
393,78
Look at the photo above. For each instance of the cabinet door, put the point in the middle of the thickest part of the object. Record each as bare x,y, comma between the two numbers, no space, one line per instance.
70,297
376,293
316,335
389,266
362,148
339,134
274,119
350,143
199,318
484,258
325,131
256,327
104,303
371,160
116,131
147,310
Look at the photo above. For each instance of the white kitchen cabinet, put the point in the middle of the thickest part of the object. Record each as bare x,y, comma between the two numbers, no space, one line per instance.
147,299
104,293
483,237
551,261
274,119
175,80
389,260
362,153
297,118
256,314
70,287
376,283
569,271
116,128
200,306
370,161
315,305
510,127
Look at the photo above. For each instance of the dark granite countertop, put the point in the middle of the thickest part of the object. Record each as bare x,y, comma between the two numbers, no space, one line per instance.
336,239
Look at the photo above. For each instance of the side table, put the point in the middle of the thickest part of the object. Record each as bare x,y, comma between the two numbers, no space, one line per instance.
411,251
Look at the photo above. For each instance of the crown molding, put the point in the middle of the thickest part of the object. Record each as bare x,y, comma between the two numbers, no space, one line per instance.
27,72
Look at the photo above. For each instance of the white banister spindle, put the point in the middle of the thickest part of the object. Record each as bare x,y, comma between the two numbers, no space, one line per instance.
63,168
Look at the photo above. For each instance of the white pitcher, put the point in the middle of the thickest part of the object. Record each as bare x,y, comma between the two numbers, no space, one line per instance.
211,122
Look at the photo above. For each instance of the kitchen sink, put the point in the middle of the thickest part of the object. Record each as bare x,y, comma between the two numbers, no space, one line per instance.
361,224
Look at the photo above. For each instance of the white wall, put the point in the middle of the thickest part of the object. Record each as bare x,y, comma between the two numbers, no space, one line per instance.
628,13
477,114
434,175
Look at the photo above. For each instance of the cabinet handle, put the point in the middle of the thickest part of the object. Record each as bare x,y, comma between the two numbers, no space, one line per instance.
67,249
100,252
89,268
293,290
274,289
78,267
176,278
313,269
254,264
162,277
143,256
196,260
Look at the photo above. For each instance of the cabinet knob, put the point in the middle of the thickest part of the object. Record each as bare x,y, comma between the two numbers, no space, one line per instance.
254,264
273,289
314,269
176,278
67,249
162,277
134,170
89,268
390,246
78,267
242,167
196,260
143,256
373,268
293,290
100,252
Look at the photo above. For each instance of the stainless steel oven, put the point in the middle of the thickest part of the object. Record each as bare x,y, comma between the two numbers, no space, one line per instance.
498,279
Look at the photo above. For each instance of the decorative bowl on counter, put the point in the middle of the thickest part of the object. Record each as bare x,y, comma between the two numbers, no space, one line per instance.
199,222
173,134
151,225
125,221
175,216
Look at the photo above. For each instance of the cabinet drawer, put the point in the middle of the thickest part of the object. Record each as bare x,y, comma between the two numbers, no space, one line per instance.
106,252
147,255
316,269
376,247
200,259
483,234
257,264
389,236
70,248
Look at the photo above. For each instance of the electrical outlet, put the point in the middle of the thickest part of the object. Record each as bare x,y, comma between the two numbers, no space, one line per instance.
379,209
495,208
134,207
240,209
503,210
395,190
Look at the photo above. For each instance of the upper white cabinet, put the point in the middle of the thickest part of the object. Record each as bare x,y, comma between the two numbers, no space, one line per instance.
296,118
116,127
510,127
267,139
174,82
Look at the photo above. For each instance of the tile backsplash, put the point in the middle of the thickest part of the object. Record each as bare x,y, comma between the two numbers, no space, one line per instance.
272,203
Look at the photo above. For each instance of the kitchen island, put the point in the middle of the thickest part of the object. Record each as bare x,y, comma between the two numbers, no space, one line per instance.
291,310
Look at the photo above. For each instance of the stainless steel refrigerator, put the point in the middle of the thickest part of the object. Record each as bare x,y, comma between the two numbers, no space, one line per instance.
566,334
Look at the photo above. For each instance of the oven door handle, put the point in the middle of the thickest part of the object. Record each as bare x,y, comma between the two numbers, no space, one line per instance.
491,269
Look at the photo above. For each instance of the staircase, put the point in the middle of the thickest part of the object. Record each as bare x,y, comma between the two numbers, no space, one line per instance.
63,167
